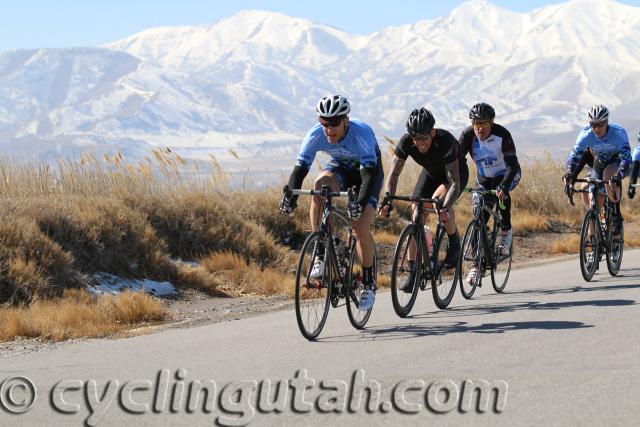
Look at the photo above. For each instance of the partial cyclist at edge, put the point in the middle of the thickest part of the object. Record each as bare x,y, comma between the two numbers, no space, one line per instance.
355,161
635,168
442,175
609,144
493,150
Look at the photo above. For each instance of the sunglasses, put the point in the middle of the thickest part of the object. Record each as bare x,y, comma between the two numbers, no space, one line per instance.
598,125
423,137
481,123
330,122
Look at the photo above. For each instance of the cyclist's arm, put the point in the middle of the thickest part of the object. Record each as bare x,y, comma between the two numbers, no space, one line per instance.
586,158
635,165
625,160
571,164
633,177
453,176
512,168
392,182
368,176
297,176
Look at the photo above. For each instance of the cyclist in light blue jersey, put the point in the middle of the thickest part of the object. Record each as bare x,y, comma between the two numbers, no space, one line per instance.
612,157
355,161
635,167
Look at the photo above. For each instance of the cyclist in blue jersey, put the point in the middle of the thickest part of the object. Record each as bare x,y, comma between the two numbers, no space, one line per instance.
635,167
355,161
492,149
612,157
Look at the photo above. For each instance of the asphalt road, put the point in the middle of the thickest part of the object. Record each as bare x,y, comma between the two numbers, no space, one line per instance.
554,349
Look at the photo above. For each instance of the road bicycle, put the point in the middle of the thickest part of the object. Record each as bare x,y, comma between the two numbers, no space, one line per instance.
335,242
427,263
480,247
596,237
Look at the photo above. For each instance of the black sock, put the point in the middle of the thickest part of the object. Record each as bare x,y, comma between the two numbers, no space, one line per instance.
367,275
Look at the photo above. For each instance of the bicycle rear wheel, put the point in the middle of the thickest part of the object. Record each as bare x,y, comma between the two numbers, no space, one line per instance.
470,257
312,295
402,274
616,248
357,317
443,281
589,246
500,272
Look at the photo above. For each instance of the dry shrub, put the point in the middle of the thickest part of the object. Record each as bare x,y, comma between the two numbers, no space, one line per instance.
249,278
76,314
569,245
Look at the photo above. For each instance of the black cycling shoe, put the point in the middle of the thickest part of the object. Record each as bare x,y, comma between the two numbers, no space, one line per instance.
617,225
409,283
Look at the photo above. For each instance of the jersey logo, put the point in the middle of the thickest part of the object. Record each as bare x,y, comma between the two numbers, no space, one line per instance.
483,154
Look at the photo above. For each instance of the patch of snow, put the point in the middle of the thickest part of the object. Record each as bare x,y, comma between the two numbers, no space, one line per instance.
108,284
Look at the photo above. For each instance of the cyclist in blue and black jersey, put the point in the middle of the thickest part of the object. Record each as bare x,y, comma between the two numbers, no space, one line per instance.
494,153
355,161
635,167
612,157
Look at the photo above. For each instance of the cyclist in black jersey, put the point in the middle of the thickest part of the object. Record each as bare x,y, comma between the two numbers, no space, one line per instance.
492,149
442,176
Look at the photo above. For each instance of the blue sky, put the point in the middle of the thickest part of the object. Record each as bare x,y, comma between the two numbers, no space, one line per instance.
65,23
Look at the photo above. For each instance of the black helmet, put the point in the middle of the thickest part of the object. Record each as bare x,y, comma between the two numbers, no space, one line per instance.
482,111
598,114
420,122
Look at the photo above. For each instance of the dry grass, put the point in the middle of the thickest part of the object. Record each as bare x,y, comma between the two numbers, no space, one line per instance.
569,245
60,224
249,278
77,314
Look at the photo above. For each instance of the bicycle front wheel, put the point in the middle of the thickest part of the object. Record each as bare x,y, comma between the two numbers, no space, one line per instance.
406,276
616,248
357,317
500,272
443,280
589,246
312,294
470,259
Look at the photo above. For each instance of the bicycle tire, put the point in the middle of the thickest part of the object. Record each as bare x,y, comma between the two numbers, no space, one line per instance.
443,281
312,296
403,301
504,262
615,251
471,254
589,258
358,318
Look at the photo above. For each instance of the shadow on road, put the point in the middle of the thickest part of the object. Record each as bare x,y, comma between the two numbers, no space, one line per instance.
415,330
591,287
476,310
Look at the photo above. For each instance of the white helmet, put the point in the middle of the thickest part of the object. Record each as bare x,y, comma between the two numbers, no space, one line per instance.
598,114
332,106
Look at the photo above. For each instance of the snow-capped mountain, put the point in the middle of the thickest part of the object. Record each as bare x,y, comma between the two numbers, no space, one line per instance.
250,82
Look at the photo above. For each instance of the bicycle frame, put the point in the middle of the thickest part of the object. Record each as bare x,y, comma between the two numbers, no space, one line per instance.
488,240
594,209
326,229
417,220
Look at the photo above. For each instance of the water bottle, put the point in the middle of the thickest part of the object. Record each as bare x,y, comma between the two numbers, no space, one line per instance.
428,238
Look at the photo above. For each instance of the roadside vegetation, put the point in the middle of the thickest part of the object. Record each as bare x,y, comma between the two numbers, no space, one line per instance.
166,220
